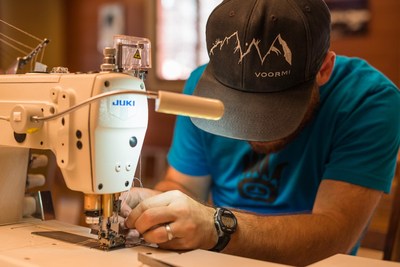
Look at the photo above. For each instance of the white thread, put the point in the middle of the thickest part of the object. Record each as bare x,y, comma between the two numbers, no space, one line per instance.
18,29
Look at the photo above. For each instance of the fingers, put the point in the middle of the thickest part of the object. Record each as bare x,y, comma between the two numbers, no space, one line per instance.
191,224
160,234
133,197
125,210
132,238
154,216
151,211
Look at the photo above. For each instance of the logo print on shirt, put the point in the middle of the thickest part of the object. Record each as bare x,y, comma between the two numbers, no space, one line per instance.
278,46
258,184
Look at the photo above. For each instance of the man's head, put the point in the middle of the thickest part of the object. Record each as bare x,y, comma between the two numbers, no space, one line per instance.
264,58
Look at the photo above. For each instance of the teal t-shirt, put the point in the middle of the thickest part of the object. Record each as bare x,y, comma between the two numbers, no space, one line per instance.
354,137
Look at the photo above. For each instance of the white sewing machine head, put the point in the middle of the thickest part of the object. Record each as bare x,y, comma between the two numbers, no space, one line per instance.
94,123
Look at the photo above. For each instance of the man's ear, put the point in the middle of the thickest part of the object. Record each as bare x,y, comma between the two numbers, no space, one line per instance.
326,69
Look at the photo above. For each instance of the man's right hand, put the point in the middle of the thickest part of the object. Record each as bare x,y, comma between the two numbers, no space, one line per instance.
133,197
171,219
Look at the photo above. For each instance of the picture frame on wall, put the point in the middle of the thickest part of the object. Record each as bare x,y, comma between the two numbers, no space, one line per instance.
349,17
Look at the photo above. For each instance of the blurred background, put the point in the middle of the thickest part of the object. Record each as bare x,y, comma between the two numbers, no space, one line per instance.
78,30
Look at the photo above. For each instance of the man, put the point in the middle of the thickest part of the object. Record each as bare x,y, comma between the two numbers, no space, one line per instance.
302,155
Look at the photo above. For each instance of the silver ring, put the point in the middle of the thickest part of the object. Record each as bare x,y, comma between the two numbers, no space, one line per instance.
169,232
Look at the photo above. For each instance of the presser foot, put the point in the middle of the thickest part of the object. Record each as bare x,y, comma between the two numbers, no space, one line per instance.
108,241
110,238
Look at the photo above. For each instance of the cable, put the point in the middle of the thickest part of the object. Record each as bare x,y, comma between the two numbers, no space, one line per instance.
149,94
15,41
18,29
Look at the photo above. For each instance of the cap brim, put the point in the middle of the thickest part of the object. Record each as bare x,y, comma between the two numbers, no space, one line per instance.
253,116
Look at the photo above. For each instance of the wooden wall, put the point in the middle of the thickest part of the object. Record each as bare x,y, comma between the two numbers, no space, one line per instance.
381,45
82,30
43,19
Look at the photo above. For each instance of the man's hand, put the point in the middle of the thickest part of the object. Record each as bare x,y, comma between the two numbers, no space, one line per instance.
133,197
190,223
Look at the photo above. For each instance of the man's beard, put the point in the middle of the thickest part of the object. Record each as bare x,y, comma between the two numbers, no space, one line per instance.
268,147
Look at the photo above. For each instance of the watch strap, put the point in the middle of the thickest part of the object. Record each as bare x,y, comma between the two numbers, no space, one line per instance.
224,231
222,242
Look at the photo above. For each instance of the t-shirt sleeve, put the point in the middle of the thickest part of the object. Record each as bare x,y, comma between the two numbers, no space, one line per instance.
187,151
366,141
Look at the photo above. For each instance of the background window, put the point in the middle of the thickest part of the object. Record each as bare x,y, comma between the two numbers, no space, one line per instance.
180,36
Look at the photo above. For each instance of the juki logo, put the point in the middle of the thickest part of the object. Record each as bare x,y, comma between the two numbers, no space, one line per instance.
124,103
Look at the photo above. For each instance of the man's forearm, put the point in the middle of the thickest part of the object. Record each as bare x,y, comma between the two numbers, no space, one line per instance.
196,187
290,239
168,185
340,214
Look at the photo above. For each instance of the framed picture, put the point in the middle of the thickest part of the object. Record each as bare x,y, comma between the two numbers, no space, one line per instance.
349,17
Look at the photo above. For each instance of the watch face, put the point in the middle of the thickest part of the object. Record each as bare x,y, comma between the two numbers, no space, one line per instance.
228,221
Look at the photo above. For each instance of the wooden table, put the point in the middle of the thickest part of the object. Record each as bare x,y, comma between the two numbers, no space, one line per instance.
20,248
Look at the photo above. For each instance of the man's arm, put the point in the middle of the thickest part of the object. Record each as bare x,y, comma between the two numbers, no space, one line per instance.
340,214
196,187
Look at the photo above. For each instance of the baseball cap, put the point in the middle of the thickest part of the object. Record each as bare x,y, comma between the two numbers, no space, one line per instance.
264,57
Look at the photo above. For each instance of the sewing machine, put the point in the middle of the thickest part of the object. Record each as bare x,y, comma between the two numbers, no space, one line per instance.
94,123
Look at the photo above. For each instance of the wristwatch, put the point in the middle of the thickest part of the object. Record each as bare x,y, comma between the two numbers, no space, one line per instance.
226,224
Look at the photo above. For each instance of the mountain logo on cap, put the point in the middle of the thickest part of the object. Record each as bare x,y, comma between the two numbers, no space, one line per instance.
278,46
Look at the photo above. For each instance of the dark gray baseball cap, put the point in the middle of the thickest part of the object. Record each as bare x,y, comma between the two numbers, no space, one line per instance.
264,56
